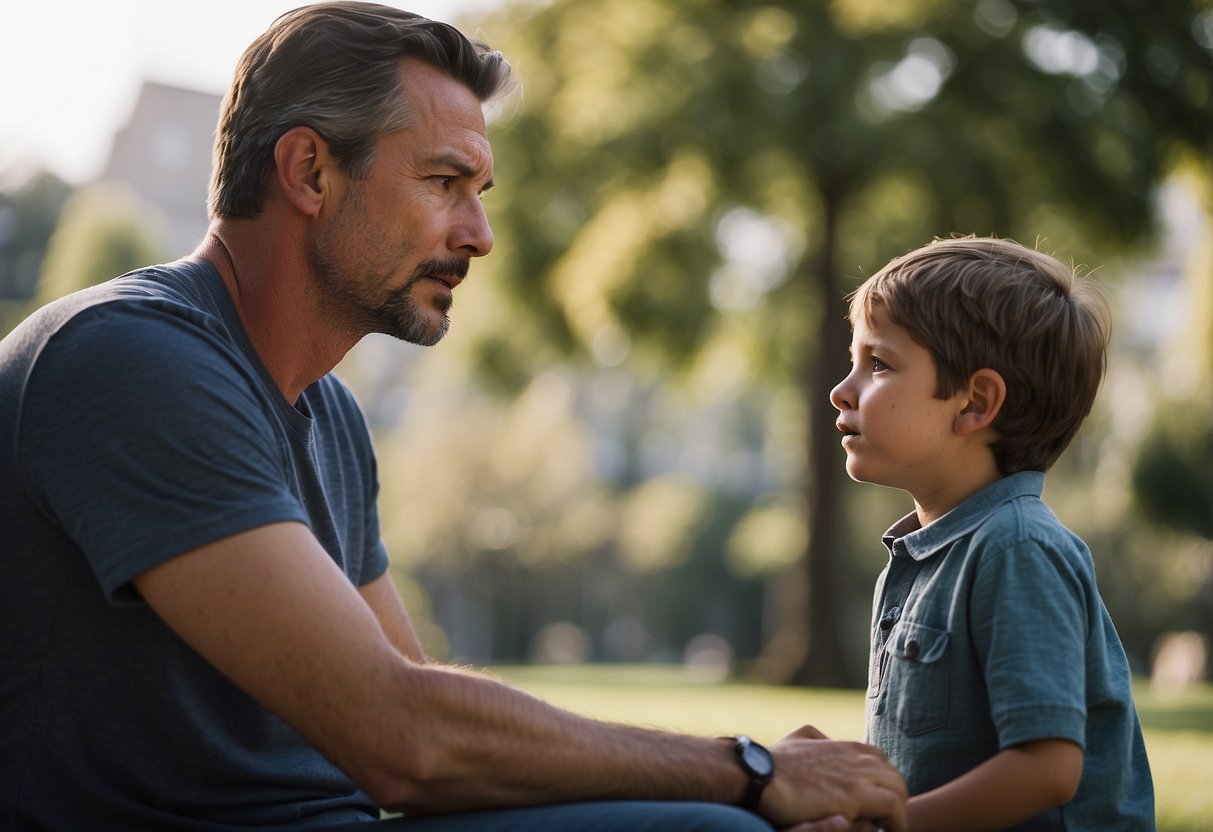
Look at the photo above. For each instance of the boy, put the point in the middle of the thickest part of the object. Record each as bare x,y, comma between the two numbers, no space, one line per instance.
997,683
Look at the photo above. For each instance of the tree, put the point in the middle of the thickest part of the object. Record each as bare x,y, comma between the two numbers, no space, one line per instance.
105,230
28,214
681,174
1173,477
1173,473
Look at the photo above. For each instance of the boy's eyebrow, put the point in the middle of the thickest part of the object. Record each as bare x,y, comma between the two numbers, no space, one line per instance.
874,345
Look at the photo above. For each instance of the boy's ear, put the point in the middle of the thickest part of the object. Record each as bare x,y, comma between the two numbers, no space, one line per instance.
301,161
987,391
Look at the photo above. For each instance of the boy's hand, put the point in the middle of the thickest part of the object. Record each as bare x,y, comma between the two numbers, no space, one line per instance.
834,782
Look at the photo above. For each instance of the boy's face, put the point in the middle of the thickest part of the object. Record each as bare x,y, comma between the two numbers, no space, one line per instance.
896,433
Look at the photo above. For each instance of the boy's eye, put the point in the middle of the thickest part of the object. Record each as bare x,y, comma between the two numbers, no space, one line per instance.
878,365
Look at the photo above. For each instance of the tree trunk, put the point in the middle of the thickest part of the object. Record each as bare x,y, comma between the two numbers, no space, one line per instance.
825,662
805,647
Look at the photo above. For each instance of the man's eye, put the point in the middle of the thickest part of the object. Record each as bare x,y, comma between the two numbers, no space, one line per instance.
445,182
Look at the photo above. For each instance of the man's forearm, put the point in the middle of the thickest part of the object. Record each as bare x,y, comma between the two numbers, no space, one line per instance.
486,744
483,743
269,609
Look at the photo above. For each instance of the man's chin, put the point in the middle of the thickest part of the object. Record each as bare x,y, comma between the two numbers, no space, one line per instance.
412,323
423,335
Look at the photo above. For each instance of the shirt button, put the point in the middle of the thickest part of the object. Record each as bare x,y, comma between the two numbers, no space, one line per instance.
911,649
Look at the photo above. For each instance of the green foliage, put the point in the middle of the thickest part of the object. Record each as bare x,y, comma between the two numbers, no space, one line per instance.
1173,477
643,122
493,478
498,511
682,180
105,230
28,215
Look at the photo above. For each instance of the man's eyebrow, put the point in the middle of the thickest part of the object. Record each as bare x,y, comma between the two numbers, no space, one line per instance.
462,168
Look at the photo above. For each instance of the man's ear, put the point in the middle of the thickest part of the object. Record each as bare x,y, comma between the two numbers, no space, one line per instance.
987,391
301,159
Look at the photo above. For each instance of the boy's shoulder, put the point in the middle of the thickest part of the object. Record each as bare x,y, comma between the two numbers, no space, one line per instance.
1011,505
1024,522
1022,515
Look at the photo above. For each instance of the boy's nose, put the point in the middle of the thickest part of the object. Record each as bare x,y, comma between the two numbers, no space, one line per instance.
839,396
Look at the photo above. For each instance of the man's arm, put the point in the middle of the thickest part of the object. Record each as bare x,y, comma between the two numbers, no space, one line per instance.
1014,785
383,599
270,610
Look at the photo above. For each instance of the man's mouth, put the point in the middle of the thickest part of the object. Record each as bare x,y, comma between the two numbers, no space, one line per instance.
450,272
449,281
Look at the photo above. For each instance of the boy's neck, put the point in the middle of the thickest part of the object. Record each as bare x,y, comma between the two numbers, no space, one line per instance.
966,481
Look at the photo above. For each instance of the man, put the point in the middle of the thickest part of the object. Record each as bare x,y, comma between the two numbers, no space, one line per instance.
199,631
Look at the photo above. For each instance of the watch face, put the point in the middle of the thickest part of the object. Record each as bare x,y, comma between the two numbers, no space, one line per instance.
759,760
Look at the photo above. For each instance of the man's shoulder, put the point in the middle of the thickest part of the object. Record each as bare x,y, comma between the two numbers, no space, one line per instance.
148,347
126,304
150,315
186,290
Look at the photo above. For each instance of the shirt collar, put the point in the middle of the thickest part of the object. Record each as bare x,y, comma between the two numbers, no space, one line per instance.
907,538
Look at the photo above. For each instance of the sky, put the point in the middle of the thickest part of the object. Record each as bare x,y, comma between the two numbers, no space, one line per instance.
70,70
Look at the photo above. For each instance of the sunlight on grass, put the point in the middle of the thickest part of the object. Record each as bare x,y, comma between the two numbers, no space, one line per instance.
1178,727
669,698
1179,739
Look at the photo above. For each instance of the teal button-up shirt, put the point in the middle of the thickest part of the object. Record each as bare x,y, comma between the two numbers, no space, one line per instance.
987,632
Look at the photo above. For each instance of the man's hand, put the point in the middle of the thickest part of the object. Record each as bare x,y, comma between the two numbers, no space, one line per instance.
835,823
834,781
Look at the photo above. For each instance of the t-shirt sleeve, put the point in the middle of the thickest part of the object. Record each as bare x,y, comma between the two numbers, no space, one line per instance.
143,437
374,558
1030,633
353,427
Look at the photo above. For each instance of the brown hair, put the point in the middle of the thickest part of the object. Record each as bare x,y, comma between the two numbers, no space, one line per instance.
990,303
334,67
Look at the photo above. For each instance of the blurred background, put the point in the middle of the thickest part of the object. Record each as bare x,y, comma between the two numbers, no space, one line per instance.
624,451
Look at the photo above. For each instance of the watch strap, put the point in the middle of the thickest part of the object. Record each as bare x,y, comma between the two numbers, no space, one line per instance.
759,779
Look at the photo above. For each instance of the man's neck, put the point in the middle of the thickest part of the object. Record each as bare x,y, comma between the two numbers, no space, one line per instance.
267,276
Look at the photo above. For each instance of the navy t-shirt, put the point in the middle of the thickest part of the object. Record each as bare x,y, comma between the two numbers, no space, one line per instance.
137,423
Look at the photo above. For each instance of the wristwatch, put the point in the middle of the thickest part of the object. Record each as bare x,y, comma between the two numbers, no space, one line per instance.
759,765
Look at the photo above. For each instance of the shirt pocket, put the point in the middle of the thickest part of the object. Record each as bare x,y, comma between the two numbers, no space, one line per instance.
918,668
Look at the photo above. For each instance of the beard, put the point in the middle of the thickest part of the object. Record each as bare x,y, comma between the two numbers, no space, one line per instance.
396,313
352,268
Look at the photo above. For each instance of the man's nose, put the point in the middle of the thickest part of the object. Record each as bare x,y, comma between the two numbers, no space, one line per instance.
473,233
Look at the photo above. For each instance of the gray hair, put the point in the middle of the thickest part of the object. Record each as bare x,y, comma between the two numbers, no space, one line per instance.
334,67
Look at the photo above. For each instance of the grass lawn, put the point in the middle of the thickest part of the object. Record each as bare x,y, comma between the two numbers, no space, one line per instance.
1178,727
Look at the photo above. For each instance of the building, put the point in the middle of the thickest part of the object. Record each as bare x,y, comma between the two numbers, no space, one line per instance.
164,153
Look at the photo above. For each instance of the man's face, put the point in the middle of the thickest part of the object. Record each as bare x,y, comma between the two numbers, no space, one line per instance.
399,241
